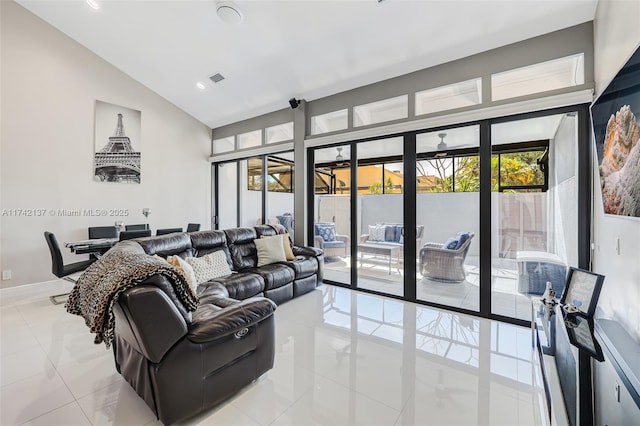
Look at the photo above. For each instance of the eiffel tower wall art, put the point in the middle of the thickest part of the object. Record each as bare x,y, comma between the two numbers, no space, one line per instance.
117,144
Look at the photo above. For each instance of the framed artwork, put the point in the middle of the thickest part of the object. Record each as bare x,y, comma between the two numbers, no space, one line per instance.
581,335
615,116
582,291
117,148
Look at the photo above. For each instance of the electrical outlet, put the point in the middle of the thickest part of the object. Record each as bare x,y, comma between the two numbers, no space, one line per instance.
6,275
616,394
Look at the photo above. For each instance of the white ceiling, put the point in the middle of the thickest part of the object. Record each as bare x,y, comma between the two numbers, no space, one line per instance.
305,49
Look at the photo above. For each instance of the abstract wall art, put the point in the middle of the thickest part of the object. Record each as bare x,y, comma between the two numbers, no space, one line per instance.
615,117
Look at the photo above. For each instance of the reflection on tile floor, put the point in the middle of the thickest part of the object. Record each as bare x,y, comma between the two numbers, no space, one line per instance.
505,298
342,358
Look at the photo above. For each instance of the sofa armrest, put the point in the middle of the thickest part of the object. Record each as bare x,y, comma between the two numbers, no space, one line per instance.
364,238
344,238
211,323
307,251
318,242
432,245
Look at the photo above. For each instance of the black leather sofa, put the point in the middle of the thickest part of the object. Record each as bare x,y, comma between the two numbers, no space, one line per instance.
181,362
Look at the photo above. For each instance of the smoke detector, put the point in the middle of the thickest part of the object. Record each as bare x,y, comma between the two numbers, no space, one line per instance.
228,12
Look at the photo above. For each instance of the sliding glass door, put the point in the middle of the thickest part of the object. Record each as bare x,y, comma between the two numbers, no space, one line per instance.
227,195
534,203
448,217
380,213
332,211
482,245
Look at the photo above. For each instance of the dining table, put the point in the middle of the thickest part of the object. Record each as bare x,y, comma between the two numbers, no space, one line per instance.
93,246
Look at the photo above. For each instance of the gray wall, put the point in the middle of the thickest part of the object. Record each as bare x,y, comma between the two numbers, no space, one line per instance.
617,35
49,87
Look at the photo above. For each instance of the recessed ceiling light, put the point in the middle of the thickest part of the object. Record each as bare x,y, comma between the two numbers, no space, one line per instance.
93,4
200,86
228,12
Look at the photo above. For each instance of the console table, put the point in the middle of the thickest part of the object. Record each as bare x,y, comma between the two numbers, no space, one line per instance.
566,350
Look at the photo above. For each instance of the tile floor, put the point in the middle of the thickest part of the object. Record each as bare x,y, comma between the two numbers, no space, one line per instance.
342,358
506,300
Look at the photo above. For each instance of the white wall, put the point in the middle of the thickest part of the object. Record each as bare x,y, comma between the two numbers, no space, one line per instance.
250,201
49,87
563,192
279,203
617,35
228,195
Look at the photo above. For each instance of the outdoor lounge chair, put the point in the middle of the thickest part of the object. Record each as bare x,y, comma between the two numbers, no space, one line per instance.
332,244
442,264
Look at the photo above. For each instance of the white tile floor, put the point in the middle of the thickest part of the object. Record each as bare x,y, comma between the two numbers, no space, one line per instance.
342,358
506,300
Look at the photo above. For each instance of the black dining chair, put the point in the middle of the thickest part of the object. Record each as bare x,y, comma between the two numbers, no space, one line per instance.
167,231
127,235
61,270
193,227
96,232
138,227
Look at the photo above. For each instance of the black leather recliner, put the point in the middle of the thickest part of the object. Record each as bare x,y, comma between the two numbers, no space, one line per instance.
181,363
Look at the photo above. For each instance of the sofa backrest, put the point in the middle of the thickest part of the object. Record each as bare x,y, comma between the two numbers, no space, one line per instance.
264,230
207,242
242,248
167,245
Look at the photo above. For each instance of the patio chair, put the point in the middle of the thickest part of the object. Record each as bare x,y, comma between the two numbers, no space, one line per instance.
332,244
444,264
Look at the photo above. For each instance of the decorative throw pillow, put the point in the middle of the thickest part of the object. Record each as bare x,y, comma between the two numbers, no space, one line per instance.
325,230
210,266
390,233
286,245
270,250
451,243
376,233
157,256
186,269
462,237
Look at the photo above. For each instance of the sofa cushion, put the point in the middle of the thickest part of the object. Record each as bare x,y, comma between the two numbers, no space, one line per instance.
327,231
167,245
242,285
274,275
303,267
270,250
334,244
376,232
208,267
242,248
207,242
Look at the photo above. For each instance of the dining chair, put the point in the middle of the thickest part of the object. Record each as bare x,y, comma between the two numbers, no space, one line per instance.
137,227
193,227
127,235
96,232
58,267
168,231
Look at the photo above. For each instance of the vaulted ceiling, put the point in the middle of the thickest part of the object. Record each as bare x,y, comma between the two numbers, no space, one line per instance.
305,49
